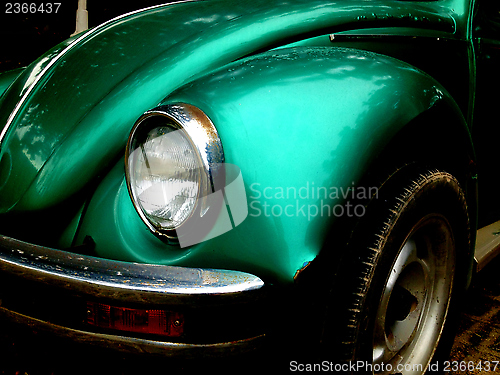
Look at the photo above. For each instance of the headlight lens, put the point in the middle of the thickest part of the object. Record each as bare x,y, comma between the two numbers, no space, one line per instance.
170,159
164,167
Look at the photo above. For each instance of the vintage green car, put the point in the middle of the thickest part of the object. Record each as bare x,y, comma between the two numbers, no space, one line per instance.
201,178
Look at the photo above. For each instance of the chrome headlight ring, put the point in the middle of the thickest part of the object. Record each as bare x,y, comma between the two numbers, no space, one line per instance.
173,163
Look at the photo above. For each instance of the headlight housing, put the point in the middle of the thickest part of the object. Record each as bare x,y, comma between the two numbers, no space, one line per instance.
173,163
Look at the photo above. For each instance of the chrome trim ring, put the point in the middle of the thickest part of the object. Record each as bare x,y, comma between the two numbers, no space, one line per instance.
203,136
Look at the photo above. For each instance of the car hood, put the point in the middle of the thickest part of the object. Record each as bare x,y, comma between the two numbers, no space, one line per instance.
68,115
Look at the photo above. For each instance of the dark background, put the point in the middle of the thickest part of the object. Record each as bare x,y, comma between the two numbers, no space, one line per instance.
24,37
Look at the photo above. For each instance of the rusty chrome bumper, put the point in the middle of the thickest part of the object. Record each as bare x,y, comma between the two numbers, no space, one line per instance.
50,289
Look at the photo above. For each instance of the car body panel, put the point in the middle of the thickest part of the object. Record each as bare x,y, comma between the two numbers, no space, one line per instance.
7,78
485,129
287,212
210,37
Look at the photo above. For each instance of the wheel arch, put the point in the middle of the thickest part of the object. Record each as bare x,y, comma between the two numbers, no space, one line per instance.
436,138
288,110
442,132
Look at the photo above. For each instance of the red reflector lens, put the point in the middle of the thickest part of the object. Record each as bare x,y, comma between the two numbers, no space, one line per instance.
158,322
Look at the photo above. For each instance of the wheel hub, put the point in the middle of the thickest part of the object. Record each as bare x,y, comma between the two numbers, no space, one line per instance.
414,303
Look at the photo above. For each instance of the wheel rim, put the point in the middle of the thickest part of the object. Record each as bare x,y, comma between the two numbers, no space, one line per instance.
415,299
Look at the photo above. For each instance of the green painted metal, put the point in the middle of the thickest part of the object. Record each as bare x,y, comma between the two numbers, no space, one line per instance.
300,141
7,78
128,65
288,118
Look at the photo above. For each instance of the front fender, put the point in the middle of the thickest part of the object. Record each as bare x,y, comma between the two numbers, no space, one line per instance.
303,125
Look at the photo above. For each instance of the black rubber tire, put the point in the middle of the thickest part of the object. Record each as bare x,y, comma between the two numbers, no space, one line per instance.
427,207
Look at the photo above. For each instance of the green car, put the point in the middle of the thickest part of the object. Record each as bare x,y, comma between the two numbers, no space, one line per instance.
206,178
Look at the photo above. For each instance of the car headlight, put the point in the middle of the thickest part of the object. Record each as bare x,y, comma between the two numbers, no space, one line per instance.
172,164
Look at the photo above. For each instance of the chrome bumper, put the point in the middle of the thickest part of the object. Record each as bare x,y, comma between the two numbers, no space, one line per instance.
50,289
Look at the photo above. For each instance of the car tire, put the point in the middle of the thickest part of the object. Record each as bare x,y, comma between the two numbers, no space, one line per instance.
405,261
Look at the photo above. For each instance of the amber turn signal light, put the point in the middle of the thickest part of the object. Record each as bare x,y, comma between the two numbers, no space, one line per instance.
147,321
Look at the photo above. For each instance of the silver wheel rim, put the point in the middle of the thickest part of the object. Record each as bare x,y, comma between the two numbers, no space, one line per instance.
415,300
